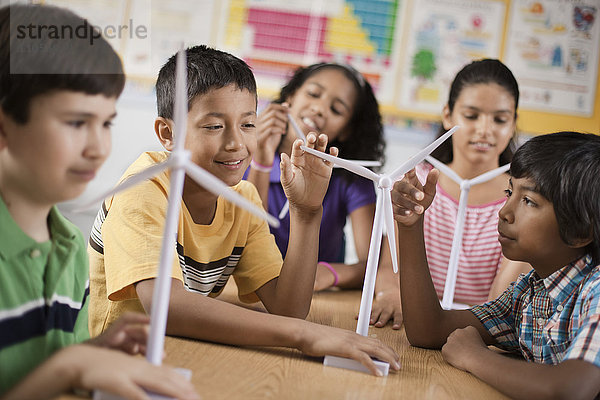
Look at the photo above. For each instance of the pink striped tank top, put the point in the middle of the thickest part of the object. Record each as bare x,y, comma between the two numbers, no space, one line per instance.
480,255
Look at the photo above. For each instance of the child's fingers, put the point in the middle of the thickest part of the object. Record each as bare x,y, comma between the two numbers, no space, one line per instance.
381,318
285,165
167,381
311,139
133,318
276,125
127,389
321,142
378,351
431,182
297,152
138,333
406,197
411,176
162,380
365,360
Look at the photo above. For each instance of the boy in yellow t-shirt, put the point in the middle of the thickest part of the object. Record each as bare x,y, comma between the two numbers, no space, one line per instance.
215,239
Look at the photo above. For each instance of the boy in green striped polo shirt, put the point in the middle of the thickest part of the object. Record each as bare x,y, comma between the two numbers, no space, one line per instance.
58,92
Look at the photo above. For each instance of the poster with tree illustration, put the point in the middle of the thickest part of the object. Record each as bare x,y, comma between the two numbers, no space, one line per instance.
445,35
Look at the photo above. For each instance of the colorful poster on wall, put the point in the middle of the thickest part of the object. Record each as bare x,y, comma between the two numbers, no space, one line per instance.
445,35
277,36
553,48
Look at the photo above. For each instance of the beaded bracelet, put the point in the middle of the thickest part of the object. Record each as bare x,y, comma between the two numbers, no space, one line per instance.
332,270
260,167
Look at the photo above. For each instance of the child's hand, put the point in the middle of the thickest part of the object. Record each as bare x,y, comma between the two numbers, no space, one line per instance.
112,371
129,334
461,346
305,177
386,307
320,340
410,199
270,125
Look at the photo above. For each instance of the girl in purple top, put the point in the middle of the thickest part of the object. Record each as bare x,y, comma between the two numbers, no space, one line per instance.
336,100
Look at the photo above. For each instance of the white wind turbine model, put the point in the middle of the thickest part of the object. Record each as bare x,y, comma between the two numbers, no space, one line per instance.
465,186
300,135
179,163
383,215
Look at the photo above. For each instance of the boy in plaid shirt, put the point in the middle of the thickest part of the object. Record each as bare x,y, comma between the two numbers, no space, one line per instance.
549,316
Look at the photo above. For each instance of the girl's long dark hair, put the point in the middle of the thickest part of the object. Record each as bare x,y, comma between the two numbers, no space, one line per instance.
365,140
480,72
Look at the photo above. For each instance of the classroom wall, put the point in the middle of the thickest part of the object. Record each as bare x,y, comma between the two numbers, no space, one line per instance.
344,31
408,49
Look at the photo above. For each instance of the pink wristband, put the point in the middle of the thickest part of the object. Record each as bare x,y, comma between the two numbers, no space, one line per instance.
260,167
332,270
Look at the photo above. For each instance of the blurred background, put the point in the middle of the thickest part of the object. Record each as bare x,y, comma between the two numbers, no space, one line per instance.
409,50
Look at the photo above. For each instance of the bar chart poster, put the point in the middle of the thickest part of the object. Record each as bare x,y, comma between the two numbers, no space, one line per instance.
444,36
276,36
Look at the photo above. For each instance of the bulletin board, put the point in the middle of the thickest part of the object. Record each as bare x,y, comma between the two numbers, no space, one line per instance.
443,36
553,48
409,50
277,36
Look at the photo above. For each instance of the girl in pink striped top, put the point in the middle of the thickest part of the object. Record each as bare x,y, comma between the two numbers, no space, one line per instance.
483,101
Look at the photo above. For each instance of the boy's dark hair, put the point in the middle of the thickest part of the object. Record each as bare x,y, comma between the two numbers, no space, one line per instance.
34,61
479,72
207,69
565,167
366,141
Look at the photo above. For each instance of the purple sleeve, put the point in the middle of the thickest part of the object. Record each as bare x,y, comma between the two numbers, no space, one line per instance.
360,192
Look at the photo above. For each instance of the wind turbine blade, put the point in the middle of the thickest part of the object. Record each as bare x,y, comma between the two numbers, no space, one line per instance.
449,172
420,156
297,129
364,163
489,175
181,103
284,209
366,299
162,288
133,180
452,273
215,185
162,285
346,164
388,215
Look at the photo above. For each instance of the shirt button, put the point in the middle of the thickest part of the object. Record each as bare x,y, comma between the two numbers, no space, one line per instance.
541,321
35,253
559,308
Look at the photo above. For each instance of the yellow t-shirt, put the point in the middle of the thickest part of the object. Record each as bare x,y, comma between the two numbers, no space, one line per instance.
126,239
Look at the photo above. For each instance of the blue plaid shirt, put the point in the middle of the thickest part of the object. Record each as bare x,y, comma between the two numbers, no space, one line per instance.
549,320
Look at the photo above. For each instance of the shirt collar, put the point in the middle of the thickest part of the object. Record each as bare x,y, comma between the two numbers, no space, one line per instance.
15,241
561,284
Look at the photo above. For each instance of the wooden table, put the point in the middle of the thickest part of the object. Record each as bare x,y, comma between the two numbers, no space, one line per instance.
228,372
